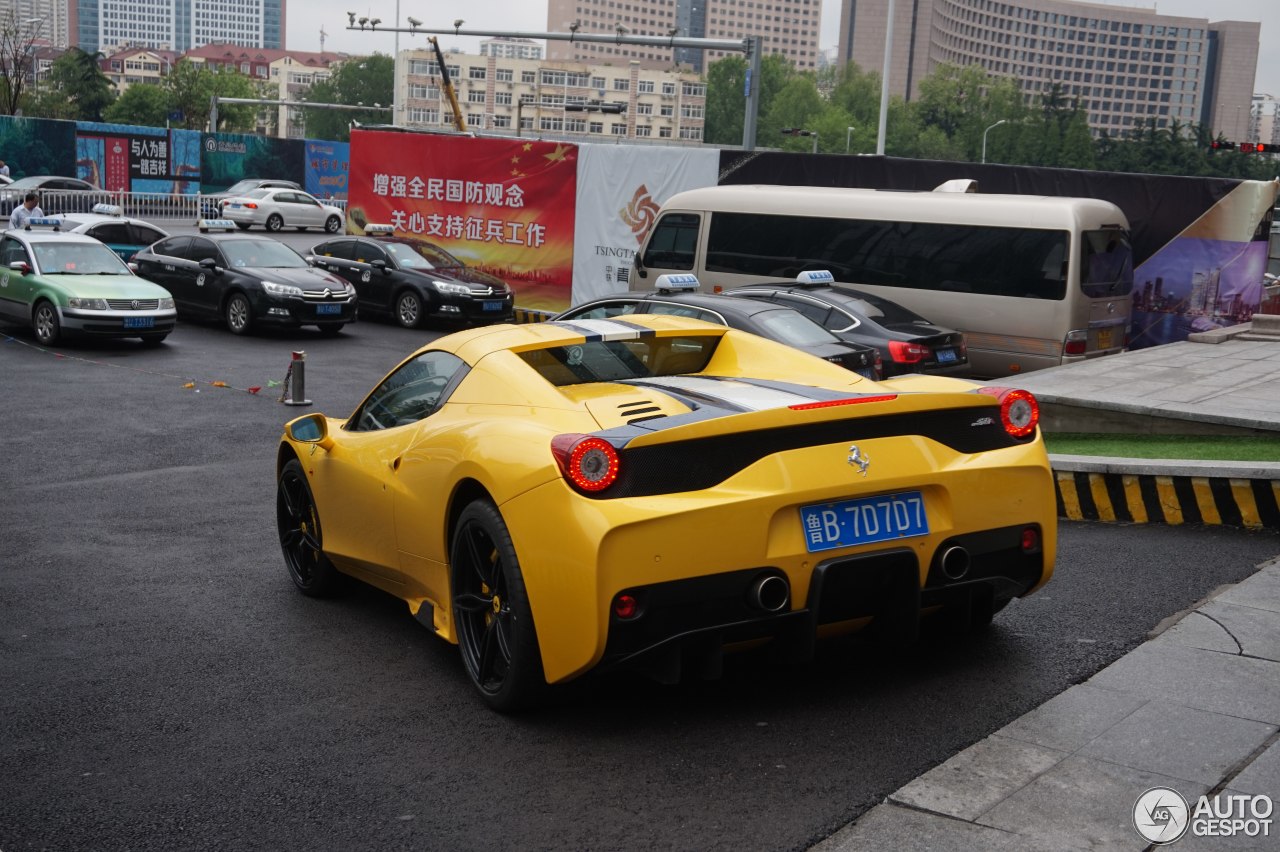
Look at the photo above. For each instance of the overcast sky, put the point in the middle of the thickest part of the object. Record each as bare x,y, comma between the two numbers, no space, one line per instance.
305,21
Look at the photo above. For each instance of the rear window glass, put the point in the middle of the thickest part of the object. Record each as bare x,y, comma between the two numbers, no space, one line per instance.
620,360
880,310
1108,264
794,328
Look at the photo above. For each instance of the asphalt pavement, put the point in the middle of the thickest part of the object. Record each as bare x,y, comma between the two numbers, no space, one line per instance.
1151,749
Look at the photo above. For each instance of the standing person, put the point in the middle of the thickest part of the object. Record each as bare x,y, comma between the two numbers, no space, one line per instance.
4,168
29,209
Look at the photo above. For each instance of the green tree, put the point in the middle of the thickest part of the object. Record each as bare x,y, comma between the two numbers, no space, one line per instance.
366,81
77,75
726,103
191,87
142,103
796,105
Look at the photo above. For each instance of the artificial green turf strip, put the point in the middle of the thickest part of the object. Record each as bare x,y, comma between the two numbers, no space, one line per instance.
1207,447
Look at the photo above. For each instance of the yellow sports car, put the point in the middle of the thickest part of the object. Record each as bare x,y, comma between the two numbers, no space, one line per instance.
567,496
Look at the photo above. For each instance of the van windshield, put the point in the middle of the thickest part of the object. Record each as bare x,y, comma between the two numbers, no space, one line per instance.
1108,264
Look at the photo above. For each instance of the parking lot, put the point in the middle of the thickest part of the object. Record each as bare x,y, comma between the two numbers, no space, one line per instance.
168,688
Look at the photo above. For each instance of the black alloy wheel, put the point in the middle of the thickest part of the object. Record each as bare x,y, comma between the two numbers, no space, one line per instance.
300,538
495,628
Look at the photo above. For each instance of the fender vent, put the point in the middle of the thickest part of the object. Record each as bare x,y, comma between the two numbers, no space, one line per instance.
638,412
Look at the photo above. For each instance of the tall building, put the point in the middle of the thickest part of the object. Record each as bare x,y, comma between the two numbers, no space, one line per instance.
1266,120
560,100
46,21
1125,65
511,48
788,27
176,24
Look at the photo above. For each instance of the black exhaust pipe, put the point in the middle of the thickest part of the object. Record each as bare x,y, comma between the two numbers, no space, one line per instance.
769,593
955,562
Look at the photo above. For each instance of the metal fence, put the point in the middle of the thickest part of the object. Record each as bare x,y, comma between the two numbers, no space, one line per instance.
142,205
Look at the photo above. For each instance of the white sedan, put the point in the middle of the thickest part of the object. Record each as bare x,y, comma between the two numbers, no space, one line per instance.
282,208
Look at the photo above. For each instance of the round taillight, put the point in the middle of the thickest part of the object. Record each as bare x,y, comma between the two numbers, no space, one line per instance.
626,607
590,463
1030,540
1019,412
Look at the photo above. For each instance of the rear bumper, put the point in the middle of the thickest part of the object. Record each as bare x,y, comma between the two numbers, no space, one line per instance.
689,622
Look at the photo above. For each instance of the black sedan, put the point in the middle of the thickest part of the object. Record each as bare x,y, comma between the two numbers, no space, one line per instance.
245,280
411,280
908,343
775,322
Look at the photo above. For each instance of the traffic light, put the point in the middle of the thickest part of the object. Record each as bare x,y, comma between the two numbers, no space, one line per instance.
1257,148
1222,145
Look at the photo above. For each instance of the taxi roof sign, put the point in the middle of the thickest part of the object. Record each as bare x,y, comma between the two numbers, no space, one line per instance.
375,230
816,277
43,222
108,209
683,282
207,225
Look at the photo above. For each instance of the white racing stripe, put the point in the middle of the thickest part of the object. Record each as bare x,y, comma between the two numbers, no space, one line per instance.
599,329
740,394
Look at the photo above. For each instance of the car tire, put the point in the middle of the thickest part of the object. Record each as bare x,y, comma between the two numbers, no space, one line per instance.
238,314
332,225
244,226
274,223
45,323
491,613
409,309
154,339
331,329
301,541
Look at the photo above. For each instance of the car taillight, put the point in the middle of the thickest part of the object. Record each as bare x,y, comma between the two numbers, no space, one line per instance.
251,205
591,464
1019,411
964,347
879,366
906,352
1076,342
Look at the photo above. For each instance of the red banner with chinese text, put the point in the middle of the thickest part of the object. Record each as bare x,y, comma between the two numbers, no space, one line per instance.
505,206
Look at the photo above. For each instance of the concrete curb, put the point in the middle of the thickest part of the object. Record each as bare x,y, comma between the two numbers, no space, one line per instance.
1142,491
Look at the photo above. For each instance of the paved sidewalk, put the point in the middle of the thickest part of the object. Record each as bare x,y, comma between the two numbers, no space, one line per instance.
1195,709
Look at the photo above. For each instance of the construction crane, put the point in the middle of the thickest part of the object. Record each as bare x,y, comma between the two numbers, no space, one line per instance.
447,86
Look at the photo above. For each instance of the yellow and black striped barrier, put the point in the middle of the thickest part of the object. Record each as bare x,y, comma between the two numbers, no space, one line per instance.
523,315
1168,493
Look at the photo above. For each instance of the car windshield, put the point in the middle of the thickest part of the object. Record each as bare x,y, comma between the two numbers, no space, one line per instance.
793,328
256,193
55,258
421,256
261,254
621,360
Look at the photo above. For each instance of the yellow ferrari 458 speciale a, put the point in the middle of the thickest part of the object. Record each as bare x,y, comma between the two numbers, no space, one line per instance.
567,496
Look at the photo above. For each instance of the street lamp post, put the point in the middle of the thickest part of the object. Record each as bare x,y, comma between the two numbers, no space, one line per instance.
984,136
35,57
848,132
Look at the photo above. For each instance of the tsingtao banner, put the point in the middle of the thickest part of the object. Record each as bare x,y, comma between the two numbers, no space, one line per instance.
504,206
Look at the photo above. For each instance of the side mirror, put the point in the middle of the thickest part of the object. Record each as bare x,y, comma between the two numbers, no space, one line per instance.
211,265
639,265
21,267
380,265
310,429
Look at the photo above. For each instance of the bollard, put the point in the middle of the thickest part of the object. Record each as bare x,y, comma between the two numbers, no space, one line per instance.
297,380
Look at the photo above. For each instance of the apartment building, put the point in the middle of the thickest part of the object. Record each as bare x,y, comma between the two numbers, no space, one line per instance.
176,24
511,48
282,74
1124,65
46,22
570,100
130,65
786,27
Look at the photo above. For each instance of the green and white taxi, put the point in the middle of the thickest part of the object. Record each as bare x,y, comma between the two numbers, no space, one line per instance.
65,284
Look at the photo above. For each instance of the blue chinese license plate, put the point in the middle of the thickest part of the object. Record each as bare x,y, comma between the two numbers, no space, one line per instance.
139,322
945,356
236,206
328,309
868,519
493,306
